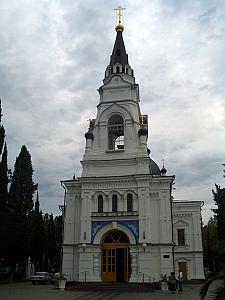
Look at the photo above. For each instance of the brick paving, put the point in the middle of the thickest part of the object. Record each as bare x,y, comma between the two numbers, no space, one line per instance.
27,291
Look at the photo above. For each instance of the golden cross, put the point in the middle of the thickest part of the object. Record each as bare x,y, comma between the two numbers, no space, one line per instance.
142,119
119,13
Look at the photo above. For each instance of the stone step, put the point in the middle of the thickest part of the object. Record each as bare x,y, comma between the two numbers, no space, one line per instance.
93,286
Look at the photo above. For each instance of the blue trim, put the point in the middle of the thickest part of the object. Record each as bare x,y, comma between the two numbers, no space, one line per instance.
132,225
96,226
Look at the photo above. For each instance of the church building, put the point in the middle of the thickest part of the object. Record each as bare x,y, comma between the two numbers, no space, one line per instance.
121,223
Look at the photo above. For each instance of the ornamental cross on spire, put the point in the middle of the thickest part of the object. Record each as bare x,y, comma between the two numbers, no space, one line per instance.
119,13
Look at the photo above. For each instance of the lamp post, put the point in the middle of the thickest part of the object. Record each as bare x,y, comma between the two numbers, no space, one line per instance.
84,246
144,245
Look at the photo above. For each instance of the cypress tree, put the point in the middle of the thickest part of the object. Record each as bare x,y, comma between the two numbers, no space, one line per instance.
3,188
20,204
37,237
58,231
51,243
219,199
2,130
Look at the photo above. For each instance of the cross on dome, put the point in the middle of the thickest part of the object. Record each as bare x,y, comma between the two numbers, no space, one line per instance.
119,13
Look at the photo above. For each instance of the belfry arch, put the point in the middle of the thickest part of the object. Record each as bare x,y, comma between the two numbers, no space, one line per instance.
116,132
115,257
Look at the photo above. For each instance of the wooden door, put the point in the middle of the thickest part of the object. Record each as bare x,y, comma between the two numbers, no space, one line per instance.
112,254
183,269
109,264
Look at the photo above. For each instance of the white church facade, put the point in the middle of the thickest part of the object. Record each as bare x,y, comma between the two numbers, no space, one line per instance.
121,223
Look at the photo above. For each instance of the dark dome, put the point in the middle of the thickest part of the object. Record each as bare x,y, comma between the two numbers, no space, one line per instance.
154,169
142,131
89,135
163,171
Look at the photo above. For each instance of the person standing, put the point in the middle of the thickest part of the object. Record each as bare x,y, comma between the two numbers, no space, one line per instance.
180,282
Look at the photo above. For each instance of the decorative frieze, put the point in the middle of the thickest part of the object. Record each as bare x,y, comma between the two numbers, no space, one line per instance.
182,214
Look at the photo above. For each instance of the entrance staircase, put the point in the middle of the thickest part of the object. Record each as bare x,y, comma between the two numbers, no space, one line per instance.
100,286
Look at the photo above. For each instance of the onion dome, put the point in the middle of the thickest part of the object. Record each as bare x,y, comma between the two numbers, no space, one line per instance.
154,168
163,171
142,131
89,135
119,27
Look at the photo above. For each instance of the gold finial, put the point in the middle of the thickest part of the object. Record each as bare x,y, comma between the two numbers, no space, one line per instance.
119,13
163,161
142,120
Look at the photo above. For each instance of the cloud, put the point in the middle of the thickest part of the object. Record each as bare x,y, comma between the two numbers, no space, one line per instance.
53,57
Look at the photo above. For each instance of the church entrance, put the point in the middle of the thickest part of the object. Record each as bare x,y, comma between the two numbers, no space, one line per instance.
116,262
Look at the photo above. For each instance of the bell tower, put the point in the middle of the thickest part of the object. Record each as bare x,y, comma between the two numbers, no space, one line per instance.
116,141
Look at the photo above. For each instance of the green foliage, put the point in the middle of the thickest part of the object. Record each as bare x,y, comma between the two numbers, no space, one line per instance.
219,292
3,188
22,187
37,242
20,204
211,245
53,243
219,198
2,138
3,202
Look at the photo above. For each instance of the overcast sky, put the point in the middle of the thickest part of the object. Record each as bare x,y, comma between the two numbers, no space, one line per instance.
53,55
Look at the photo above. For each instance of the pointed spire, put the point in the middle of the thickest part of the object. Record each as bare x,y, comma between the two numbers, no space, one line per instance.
119,54
119,58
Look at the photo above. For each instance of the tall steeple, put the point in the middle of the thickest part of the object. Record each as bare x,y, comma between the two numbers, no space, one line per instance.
119,54
119,58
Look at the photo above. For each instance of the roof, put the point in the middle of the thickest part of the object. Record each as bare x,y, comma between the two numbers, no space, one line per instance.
119,54
154,168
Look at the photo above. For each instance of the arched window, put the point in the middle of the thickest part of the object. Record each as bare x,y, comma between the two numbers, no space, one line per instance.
115,132
116,236
114,203
117,69
100,203
129,202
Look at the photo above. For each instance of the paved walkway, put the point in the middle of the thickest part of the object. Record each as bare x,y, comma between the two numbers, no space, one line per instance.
27,291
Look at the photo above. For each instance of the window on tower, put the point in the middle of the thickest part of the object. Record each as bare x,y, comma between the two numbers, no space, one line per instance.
114,203
116,132
129,202
100,203
181,237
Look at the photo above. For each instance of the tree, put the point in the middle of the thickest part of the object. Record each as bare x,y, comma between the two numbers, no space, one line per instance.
211,245
2,130
3,188
219,199
58,231
51,242
37,239
19,207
